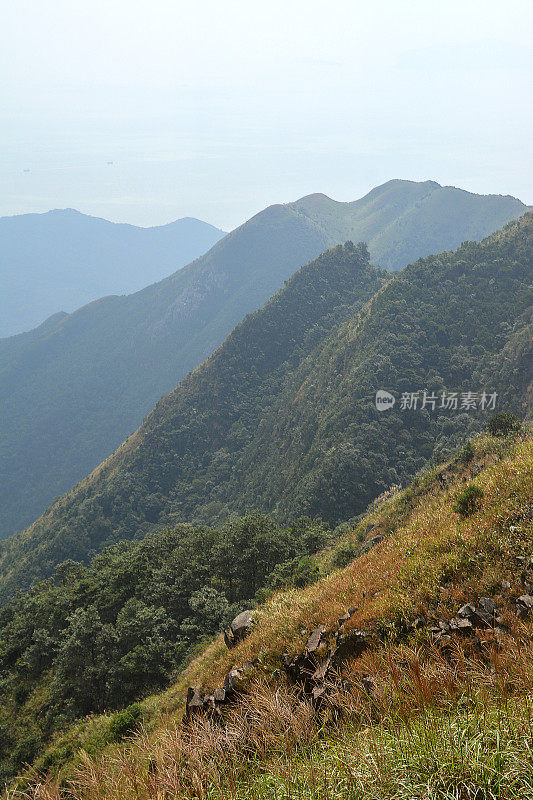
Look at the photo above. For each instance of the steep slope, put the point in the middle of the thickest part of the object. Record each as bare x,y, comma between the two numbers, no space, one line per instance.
265,423
73,389
61,260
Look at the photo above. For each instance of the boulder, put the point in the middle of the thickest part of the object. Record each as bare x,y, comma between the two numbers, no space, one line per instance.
231,680
524,604
239,628
194,703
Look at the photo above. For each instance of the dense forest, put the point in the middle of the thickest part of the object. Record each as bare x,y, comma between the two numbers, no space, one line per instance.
241,378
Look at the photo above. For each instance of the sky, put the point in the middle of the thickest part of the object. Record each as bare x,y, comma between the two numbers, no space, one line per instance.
145,112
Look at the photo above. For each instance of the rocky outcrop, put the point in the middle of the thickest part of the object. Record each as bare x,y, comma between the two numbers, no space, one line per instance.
211,703
318,669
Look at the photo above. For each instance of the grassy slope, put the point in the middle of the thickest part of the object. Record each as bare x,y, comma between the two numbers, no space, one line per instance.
401,220
426,710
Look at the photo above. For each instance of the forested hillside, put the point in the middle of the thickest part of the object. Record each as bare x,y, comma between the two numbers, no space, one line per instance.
74,388
248,372
282,416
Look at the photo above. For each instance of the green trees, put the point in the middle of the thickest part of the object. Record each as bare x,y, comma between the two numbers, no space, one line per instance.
503,424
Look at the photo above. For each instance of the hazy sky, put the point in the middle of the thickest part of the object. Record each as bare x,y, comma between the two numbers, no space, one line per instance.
217,109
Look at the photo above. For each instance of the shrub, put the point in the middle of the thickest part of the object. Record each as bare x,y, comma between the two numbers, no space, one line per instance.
468,500
125,721
503,424
306,572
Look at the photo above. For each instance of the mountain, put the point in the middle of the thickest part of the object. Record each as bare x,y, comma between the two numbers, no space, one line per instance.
61,260
282,416
74,388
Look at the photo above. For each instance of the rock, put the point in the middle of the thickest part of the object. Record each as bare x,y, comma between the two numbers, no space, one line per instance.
194,703
370,543
219,695
524,604
314,641
485,613
209,703
239,628
242,624
461,626
231,680
321,671
466,611
506,586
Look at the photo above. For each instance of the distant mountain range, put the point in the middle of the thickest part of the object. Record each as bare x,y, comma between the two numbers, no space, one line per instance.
72,389
282,416
61,260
